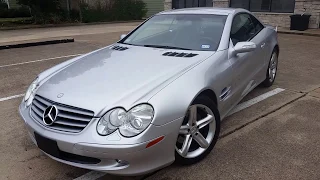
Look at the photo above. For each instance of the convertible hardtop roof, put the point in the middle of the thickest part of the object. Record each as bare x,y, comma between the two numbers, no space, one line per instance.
205,10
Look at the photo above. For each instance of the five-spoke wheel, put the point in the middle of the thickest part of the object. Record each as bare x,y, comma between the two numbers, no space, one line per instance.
198,132
272,70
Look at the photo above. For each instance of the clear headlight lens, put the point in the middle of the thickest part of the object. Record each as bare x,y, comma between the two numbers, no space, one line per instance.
30,92
129,123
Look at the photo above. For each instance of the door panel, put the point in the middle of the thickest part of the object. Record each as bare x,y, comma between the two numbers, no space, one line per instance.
261,40
242,65
261,54
245,65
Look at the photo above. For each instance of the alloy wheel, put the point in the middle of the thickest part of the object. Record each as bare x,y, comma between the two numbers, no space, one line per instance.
273,65
197,131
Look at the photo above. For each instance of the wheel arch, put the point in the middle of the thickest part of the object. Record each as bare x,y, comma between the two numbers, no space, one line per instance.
277,48
210,94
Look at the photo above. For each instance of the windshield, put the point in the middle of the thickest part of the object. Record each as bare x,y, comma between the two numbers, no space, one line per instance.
201,32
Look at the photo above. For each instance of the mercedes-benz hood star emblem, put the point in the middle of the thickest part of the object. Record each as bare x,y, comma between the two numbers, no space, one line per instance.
50,115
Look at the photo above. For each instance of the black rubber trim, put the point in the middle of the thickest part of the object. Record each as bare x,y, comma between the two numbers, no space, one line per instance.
40,43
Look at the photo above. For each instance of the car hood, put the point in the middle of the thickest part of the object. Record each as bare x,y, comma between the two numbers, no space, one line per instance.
111,78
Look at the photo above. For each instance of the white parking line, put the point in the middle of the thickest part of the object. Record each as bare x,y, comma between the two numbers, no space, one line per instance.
11,97
93,175
15,64
255,100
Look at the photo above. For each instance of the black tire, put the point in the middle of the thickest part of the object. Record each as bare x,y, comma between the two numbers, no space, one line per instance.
203,100
268,81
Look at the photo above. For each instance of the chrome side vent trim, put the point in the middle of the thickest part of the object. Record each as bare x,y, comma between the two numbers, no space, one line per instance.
176,54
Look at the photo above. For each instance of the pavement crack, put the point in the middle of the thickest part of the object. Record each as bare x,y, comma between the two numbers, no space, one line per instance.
261,116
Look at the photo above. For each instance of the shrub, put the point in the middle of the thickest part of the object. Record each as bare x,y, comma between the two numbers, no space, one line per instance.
94,14
128,10
44,11
114,11
15,13
15,21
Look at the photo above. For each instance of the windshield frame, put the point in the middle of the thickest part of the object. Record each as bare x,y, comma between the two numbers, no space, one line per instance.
122,41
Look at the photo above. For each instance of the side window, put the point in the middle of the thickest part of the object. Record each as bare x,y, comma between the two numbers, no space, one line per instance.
257,25
242,28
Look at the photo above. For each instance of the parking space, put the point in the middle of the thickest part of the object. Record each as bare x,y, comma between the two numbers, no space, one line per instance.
275,138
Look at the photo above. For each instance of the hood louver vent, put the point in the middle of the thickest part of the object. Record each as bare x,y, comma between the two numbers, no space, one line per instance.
119,48
176,54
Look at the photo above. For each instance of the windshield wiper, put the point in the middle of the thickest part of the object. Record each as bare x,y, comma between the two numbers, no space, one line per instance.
130,44
166,47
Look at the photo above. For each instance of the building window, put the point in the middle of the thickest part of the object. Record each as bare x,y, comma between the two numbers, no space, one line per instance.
281,6
177,4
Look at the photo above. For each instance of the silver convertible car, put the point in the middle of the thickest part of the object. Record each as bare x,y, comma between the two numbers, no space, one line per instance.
154,97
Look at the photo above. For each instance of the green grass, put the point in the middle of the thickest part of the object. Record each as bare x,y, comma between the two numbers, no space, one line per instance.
15,20
12,22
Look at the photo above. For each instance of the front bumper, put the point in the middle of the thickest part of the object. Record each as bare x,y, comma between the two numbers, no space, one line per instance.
117,154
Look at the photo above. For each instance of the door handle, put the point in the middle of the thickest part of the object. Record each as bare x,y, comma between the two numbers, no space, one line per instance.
263,44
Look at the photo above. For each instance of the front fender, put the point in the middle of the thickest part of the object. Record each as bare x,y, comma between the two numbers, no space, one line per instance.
173,101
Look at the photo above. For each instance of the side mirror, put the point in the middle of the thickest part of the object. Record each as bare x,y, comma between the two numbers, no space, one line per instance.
243,47
122,36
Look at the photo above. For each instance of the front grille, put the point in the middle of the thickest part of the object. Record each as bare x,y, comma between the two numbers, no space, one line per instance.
69,119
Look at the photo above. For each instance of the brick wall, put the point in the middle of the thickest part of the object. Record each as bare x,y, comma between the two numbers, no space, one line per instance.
221,3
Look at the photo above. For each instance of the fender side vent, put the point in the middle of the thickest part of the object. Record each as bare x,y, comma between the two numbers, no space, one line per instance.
176,54
119,48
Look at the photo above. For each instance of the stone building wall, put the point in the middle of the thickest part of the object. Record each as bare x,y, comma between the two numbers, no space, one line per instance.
311,7
167,4
275,19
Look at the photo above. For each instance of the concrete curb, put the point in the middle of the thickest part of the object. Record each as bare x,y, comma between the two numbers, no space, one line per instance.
299,33
39,43
64,25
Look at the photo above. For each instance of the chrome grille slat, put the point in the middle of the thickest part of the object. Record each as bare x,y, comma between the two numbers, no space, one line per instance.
69,119
43,101
39,105
75,111
69,123
37,111
69,116
65,129
36,117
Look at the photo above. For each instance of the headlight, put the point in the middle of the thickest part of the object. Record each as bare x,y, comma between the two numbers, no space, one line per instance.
30,92
129,123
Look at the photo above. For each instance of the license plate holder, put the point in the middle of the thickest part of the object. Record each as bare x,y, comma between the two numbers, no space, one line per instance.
48,146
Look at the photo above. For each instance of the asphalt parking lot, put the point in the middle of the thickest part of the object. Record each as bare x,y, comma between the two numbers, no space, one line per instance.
274,138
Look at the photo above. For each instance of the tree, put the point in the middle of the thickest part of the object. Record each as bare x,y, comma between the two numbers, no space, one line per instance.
3,4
